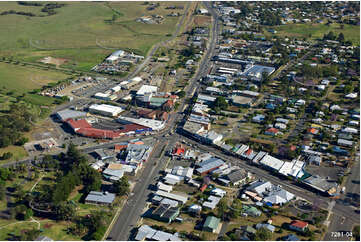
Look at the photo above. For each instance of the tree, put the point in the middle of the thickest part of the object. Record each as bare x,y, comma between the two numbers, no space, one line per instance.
220,103
121,187
222,207
181,94
2,192
263,234
30,235
64,211
341,38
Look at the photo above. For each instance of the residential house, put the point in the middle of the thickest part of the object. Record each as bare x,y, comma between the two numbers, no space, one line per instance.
298,225
211,224
100,198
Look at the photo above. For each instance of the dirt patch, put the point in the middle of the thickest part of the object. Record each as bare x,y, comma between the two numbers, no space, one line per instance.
55,61
202,20
47,225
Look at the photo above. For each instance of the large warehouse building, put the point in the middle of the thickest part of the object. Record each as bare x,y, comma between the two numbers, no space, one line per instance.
105,110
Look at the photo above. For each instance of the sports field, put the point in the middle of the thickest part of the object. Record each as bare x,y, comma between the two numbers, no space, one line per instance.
83,33
351,32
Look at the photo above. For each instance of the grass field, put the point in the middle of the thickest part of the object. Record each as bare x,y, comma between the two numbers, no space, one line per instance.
351,32
22,79
79,32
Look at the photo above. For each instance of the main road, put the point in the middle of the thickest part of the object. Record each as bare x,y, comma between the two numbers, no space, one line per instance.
136,203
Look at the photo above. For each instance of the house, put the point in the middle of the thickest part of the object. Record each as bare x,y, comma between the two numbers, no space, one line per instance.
281,126
343,142
100,198
269,227
245,233
211,202
218,192
290,237
165,213
146,232
251,211
259,118
209,165
185,172
298,225
211,224
272,132
195,209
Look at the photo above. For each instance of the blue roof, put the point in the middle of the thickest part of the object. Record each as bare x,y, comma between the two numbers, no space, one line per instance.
270,106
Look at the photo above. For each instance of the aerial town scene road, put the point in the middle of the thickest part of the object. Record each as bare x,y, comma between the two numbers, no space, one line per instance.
180,120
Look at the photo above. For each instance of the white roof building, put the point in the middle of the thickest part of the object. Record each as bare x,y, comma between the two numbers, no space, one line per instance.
147,89
180,198
271,162
163,187
105,109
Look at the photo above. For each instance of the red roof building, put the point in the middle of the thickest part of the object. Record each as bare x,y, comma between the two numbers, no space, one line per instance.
120,147
178,150
298,225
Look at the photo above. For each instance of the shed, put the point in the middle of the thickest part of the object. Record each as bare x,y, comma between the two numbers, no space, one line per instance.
211,224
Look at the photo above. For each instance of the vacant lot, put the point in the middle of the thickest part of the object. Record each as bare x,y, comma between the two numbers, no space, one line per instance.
21,79
351,32
82,32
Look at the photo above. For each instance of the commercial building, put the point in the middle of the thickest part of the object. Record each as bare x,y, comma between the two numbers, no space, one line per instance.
68,113
321,184
153,125
137,154
147,89
209,165
100,198
105,110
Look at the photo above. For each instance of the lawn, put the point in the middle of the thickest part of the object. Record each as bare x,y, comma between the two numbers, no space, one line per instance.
17,151
16,229
80,33
20,79
351,32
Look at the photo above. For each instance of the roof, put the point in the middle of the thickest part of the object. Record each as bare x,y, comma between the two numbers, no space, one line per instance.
237,175
43,238
211,222
147,89
114,110
290,237
103,197
173,196
299,224
266,226
146,232
68,113
77,124
209,164
271,162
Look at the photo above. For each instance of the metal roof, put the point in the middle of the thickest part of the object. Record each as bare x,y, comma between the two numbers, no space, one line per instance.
103,197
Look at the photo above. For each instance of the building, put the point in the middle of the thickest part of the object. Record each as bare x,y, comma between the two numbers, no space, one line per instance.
343,142
195,209
321,184
211,224
269,227
251,211
211,202
153,125
209,165
237,177
298,225
70,114
259,118
165,213
290,237
105,110
147,89
100,198
185,172
177,197
271,162
146,232
137,154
